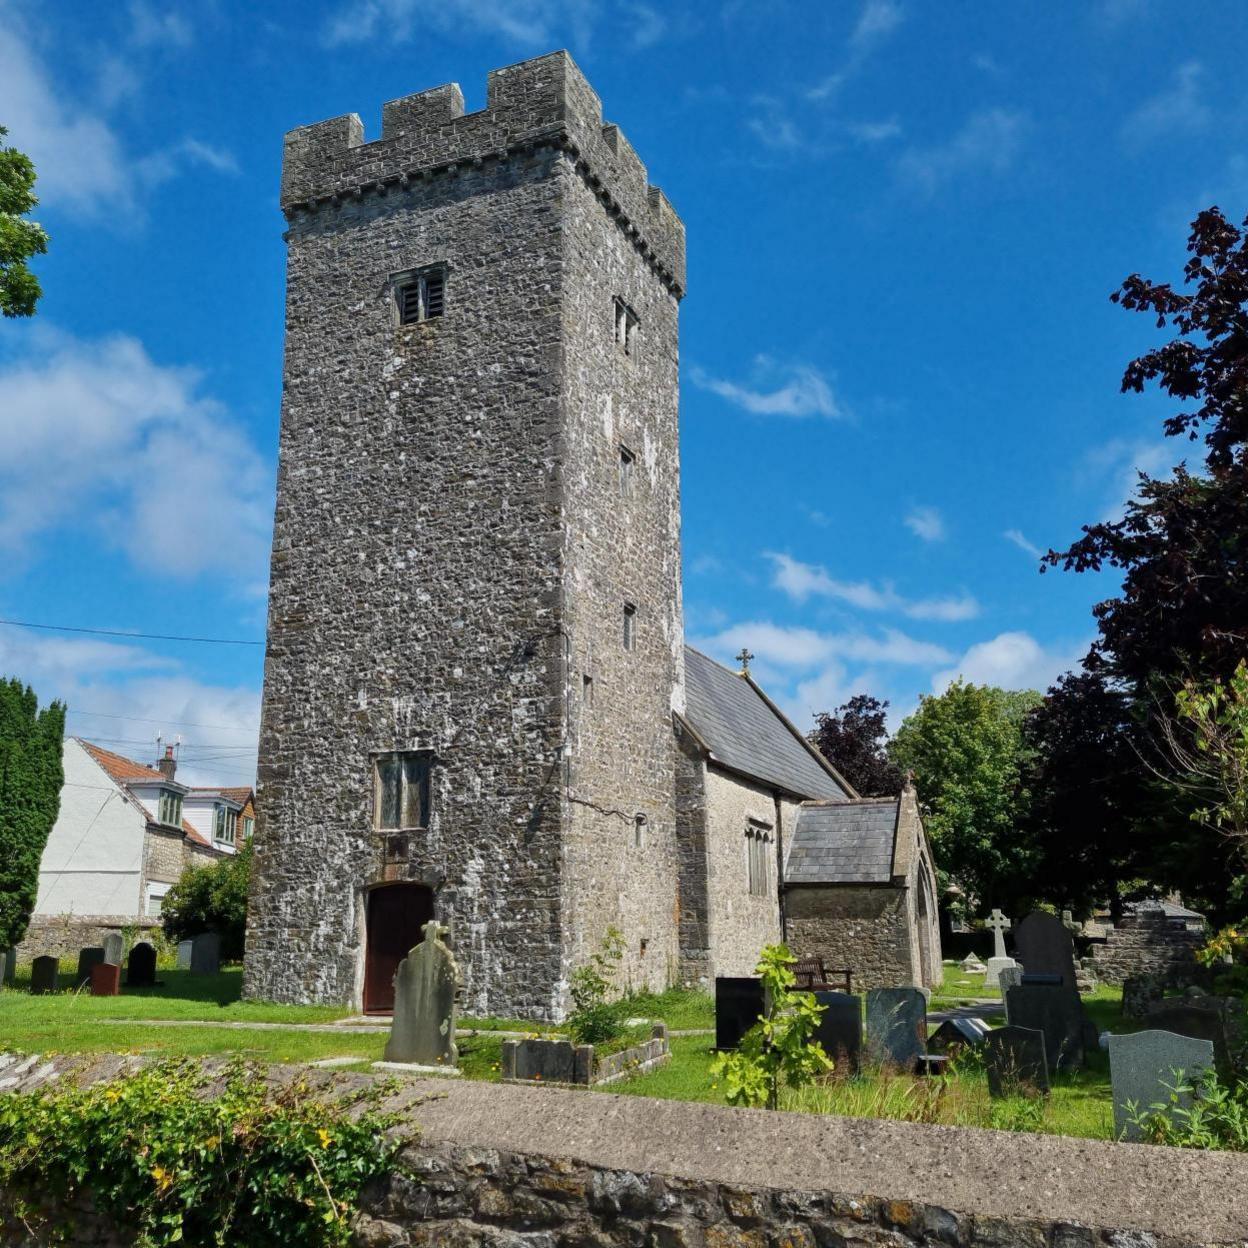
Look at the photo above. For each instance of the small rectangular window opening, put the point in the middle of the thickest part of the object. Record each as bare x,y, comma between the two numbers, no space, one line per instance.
403,790
587,690
627,460
421,297
626,323
630,630
639,831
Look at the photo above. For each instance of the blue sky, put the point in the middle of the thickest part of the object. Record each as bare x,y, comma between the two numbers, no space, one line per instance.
900,365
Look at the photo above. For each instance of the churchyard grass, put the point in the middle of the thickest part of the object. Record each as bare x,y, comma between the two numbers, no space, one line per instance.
959,987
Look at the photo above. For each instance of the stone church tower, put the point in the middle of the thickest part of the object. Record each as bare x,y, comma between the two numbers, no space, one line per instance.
475,636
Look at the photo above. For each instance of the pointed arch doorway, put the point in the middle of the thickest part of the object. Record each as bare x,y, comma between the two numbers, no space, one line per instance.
396,913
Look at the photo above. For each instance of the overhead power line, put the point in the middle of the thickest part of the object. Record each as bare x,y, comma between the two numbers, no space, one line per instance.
141,719
118,632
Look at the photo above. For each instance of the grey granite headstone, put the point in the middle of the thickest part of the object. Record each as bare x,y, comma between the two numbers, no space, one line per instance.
91,956
1142,1069
206,954
184,955
44,975
1008,977
1054,1010
896,1026
8,972
1014,1058
425,988
113,946
141,966
840,1028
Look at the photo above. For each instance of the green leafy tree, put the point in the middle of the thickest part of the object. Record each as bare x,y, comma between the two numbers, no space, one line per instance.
966,750
780,1049
30,796
211,899
19,239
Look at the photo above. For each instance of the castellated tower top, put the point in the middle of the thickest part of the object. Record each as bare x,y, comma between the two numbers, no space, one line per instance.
543,102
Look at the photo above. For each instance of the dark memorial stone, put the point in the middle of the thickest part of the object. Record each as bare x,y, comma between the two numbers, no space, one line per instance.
105,979
45,975
206,954
1196,1023
1041,980
896,1026
1055,1010
1043,945
840,1028
141,966
91,956
958,1033
546,1061
1014,1058
9,971
738,1006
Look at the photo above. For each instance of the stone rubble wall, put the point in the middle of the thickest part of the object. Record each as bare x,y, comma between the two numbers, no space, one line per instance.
64,935
1146,944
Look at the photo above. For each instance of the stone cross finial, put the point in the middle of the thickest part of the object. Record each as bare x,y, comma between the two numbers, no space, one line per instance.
744,659
998,924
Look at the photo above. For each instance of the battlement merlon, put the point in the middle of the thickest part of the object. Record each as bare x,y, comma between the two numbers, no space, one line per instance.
543,100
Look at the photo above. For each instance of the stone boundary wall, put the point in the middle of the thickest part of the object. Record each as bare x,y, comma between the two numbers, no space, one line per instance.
1146,944
512,1167
62,936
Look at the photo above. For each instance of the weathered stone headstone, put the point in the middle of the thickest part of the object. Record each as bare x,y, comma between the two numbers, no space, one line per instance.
425,989
45,974
1008,977
91,956
105,979
113,946
1015,1061
1198,1023
1140,993
141,966
184,954
896,1026
1142,1069
998,925
958,1033
206,954
8,971
840,1028
1043,945
1054,1010
738,1005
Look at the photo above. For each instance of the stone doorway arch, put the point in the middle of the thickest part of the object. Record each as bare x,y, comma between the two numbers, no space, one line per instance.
394,917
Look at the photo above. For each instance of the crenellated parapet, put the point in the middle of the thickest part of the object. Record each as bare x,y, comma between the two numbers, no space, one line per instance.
542,102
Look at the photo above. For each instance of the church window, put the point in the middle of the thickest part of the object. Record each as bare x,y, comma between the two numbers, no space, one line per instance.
630,626
420,296
757,856
627,460
626,323
403,790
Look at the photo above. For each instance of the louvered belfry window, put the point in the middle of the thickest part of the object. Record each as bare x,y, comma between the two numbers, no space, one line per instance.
421,296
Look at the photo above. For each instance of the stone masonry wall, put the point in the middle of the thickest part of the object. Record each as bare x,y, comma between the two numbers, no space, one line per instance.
691,833
866,928
1146,944
63,935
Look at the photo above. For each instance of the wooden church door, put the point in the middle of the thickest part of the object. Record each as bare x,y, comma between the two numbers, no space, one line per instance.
396,914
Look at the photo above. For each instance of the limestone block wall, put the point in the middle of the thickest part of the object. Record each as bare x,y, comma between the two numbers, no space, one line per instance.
864,927
1146,944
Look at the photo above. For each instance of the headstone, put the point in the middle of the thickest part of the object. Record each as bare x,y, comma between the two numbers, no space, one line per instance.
958,1033
91,956
972,965
113,946
896,1026
840,1028
1198,1023
184,954
1054,1010
425,988
1142,1070
8,972
44,975
1014,1058
998,925
1042,979
738,1006
992,976
105,979
1008,977
547,1061
1043,945
206,954
141,966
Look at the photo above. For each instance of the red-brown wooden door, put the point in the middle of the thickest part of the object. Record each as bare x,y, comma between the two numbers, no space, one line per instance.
396,914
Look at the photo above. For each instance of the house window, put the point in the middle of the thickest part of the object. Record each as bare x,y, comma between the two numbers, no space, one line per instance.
630,625
420,296
224,824
170,812
249,826
757,857
626,324
627,459
155,899
403,790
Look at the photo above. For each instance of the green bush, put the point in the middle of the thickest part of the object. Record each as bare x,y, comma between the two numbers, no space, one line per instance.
596,1018
251,1165
1202,1113
211,899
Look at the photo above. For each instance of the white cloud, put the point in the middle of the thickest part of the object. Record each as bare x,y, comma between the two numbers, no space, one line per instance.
1179,108
877,20
790,646
121,696
805,580
100,439
1120,462
1020,540
1014,660
874,131
153,27
779,390
927,523
522,22
989,142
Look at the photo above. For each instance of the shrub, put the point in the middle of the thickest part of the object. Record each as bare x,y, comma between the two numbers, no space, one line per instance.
595,1017
253,1165
211,899
1202,1113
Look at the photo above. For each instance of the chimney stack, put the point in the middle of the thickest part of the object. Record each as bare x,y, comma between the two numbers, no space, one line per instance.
168,765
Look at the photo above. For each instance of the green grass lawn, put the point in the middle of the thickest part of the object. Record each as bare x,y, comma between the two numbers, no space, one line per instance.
958,987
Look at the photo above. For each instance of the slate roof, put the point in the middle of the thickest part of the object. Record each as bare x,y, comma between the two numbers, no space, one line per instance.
843,843
748,735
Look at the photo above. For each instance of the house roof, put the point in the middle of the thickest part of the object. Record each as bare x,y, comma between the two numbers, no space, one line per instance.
847,842
240,795
745,732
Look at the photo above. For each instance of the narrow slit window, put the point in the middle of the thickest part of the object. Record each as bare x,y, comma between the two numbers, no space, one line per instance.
630,625
627,462
421,296
757,843
626,323
587,690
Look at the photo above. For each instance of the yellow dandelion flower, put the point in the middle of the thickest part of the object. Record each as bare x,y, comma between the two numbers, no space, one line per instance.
325,1137
112,1096
164,1180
